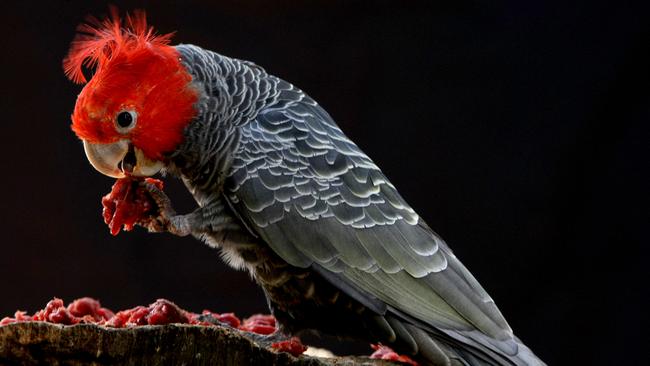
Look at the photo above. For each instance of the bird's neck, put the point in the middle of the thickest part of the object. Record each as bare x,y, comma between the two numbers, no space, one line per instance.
231,93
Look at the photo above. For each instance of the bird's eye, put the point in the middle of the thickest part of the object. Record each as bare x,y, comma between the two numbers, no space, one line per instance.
125,121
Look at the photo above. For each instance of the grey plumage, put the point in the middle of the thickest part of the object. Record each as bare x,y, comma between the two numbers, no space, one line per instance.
294,186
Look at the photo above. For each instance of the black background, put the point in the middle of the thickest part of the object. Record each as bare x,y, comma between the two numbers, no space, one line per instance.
516,129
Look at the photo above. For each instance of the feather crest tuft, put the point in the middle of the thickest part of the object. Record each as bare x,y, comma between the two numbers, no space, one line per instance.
98,41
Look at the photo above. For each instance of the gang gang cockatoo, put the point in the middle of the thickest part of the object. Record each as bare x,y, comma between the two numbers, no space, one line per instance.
282,192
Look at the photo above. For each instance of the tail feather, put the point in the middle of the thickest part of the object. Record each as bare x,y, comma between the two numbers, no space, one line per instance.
469,348
480,349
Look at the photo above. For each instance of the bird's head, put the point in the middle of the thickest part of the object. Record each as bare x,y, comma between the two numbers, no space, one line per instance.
135,107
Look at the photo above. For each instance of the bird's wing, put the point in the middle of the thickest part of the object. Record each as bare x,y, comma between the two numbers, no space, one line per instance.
319,201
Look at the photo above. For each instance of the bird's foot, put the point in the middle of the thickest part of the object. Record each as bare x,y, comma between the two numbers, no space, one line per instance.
165,218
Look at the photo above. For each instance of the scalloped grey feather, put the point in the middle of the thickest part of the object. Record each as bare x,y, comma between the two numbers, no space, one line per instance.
317,219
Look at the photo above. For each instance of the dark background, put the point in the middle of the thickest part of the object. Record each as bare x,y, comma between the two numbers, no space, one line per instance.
517,130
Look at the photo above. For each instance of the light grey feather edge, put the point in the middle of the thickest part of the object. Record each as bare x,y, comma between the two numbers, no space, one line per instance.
317,199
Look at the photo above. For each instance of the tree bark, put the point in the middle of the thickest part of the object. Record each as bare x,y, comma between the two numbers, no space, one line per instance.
40,343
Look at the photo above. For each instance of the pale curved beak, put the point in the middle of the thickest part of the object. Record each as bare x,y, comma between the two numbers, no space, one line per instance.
120,159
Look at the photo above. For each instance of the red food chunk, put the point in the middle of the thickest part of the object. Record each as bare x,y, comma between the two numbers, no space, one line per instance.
83,306
22,316
120,319
55,312
61,316
84,310
386,353
90,310
129,318
105,314
19,316
128,203
159,313
165,312
258,323
292,346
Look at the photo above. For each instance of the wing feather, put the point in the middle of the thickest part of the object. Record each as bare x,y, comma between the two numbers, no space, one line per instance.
320,202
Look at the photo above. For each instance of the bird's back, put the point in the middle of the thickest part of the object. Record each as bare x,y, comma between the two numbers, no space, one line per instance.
330,239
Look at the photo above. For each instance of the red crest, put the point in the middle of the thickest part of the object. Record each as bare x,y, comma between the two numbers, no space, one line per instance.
135,70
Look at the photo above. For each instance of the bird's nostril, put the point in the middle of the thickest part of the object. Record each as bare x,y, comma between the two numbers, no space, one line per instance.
129,161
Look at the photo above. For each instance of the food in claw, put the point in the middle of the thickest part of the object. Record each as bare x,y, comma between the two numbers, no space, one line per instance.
128,203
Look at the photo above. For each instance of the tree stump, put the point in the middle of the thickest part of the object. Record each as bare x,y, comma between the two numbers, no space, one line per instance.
41,343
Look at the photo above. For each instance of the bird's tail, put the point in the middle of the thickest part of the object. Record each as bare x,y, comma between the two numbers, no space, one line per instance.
457,348
470,357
